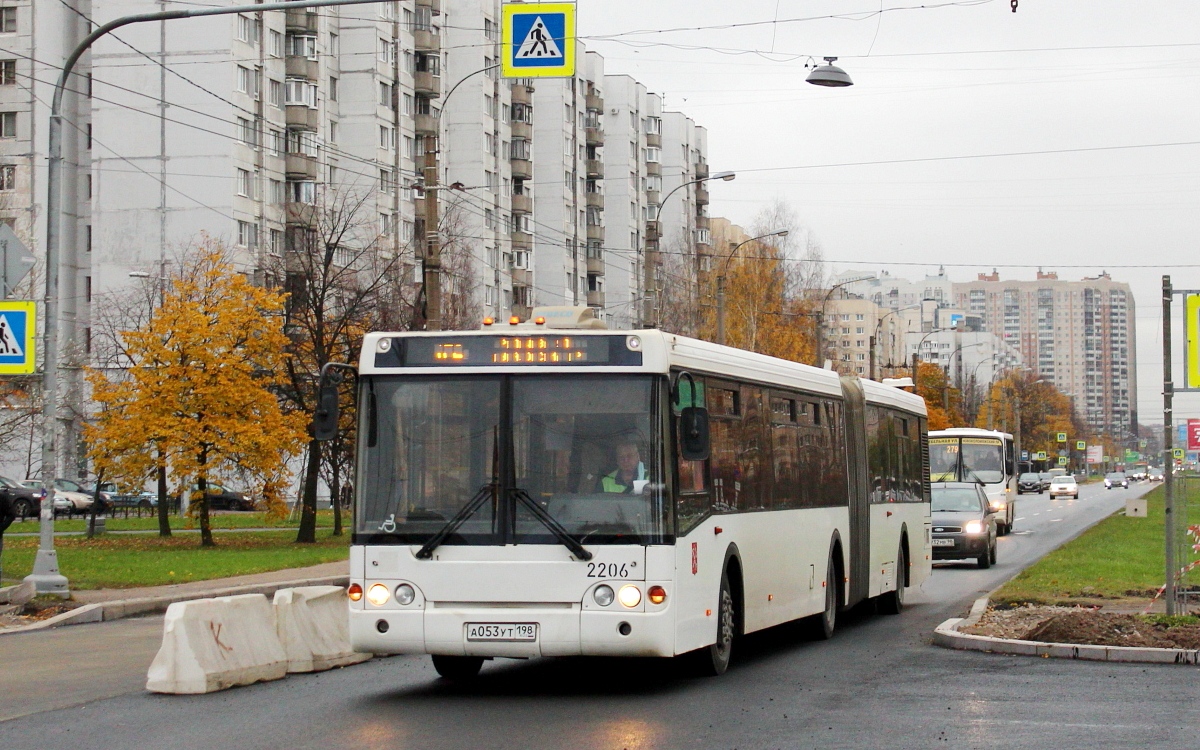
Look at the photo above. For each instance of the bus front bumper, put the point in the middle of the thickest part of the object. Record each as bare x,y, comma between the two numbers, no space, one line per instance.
561,630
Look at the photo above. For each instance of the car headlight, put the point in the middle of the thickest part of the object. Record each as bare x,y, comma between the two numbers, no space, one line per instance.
999,505
974,527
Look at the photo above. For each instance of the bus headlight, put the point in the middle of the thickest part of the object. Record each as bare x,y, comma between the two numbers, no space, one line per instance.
405,594
603,595
630,596
973,527
378,594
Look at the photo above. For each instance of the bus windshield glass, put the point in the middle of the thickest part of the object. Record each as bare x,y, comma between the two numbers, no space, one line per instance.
966,459
582,447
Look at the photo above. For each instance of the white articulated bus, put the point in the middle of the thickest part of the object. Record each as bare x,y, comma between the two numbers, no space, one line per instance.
970,454
538,490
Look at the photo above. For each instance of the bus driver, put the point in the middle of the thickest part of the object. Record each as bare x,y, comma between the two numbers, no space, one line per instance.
630,470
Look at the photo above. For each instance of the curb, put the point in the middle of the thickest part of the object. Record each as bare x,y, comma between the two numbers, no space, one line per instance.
120,609
947,636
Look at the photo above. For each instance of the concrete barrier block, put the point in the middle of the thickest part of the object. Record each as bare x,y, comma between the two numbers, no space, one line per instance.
18,595
213,644
313,624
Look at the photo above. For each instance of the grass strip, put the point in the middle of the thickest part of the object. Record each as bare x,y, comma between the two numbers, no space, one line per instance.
219,520
111,561
1119,557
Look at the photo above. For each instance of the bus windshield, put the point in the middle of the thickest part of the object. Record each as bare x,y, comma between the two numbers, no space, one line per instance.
966,459
584,448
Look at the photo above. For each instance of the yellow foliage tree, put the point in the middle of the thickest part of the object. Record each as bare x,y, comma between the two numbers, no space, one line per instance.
1044,412
935,388
202,383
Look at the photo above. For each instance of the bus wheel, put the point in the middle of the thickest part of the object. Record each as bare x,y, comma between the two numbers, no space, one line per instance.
458,668
720,653
892,602
824,624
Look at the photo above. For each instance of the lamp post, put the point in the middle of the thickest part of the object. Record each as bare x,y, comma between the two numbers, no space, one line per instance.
820,344
917,352
649,319
721,280
875,336
46,576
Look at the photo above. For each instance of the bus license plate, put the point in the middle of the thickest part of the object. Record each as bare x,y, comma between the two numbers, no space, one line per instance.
943,542
502,631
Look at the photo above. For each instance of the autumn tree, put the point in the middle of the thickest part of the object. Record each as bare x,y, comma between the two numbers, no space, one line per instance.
203,375
942,401
1044,412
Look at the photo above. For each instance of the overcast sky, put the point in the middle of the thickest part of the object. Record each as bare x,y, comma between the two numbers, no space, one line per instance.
1081,82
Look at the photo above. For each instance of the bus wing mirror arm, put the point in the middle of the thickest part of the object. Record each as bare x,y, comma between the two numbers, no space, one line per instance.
693,433
324,424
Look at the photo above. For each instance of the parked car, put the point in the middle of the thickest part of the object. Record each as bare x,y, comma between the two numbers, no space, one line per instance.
1046,478
1029,482
964,525
26,501
221,498
79,496
1065,485
1116,479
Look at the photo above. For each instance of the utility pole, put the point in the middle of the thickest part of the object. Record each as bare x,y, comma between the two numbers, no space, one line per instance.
721,309
871,368
1168,452
432,262
1017,430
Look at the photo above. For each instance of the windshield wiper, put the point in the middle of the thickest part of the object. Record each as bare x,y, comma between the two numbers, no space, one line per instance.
485,493
551,523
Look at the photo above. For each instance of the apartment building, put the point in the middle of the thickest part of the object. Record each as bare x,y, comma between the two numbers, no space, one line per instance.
1078,335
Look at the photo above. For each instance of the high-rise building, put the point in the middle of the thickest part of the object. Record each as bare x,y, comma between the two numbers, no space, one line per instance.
1078,335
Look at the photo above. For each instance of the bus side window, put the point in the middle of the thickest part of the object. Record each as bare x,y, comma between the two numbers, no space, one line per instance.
693,504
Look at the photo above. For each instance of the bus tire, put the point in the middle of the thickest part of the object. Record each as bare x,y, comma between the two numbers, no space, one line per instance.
824,624
458,668
714,660
892,603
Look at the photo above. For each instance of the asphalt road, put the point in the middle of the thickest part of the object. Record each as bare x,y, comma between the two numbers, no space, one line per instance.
878,683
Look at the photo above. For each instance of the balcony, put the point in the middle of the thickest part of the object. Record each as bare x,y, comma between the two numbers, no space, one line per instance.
595,232
427,84
301,167
702,222
593,136
522,204
300,214
593,168
522,169
653,167
521,277
594,200
522,94
426,40
595,299
302,117
653,198
302,67
595,266
434,5
654,139
426,124
594,102
653,233
521,240
302,19
701,171
701,195
522,130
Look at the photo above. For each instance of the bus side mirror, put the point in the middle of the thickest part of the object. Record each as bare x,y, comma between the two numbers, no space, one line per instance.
693,433
325,418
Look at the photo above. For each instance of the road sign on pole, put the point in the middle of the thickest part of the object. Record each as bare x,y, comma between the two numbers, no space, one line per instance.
17,319
537,40
1080,445
1062,437
1062,460
1040,455
15,260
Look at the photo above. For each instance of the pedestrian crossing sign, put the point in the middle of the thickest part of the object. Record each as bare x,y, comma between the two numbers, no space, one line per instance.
537,40
16,337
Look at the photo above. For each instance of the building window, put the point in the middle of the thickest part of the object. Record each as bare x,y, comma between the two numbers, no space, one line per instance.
302,191
333,88
385,223
385,181
8,20
247,29
302,142
333,131
246,132
275,93
245,183
247,81
275,43
385,137
247,234
409,147
385,94
278,193
8,177
408,104
302,46
275,142
8,72
653,155
298,91
653,125
387,51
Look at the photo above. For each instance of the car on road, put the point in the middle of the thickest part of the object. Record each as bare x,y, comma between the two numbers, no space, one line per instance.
1029,482
222,498
1064,486
1116,479
1154,474
1046,477
964,524
26,501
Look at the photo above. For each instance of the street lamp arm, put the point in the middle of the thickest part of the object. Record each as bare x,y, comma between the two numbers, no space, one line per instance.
721,278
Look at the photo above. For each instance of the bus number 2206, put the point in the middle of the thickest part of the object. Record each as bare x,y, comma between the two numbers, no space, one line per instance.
608,570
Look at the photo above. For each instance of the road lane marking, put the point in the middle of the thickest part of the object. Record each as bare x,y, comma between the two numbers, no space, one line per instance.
1055,520
1022,518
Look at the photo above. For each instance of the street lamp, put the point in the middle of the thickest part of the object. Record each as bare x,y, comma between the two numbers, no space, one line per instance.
820,343
46,576
721,280
648,316
829,75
